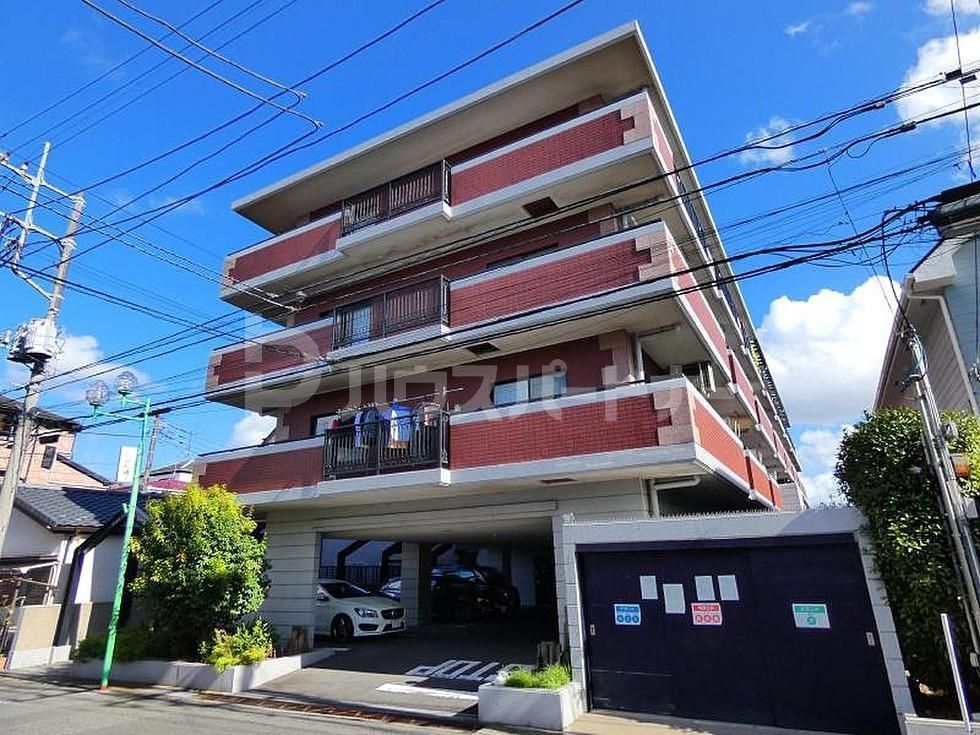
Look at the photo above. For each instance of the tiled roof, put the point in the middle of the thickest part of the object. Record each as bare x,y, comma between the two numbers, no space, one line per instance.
66,460
63,508
48,418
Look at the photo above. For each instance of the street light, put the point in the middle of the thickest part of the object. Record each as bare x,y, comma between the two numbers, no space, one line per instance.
97,396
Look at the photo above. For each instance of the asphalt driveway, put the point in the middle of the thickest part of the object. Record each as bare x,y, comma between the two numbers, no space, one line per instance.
435,669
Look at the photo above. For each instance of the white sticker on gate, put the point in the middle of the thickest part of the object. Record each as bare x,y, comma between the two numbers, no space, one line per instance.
728,587
648,587
704,586
626,613
706,613
674,599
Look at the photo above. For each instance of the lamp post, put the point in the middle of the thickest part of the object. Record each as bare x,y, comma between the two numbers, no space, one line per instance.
97,396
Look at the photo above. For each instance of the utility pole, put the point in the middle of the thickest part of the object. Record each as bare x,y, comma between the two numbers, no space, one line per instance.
935,437
35,342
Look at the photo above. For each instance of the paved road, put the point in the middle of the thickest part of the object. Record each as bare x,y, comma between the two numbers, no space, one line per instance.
30,707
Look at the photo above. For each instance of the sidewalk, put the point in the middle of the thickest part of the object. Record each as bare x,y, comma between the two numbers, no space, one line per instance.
616,723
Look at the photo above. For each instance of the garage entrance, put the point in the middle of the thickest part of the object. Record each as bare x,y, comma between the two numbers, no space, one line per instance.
776,631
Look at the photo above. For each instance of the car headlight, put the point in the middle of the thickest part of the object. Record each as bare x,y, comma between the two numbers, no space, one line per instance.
365,612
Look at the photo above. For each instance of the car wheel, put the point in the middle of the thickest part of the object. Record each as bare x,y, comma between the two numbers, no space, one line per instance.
342,629
464,611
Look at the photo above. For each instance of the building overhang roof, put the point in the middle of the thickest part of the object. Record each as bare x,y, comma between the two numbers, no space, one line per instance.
612,64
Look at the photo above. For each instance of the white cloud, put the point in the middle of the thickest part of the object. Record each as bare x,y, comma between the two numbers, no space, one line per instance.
817,450
82,356
825,352
941,7
193,207
934,58
88,47
251,430
769,156
858,8
797,29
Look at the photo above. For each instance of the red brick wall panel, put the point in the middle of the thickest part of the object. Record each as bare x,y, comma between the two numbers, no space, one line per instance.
550,283
741,379
561,233
574,144
573,431
276,471
315,241
714,437
253,360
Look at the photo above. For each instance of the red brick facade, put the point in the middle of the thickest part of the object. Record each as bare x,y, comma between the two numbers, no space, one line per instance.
550,283
714,437
254,360
573,431
299,468
574,144
290,249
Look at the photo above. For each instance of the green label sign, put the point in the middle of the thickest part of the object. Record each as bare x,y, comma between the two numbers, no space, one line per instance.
811,615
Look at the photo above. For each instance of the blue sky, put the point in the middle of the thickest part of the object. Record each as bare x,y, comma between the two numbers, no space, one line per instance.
731,70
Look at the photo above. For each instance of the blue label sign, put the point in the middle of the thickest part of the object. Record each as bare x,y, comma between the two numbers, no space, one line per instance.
626,613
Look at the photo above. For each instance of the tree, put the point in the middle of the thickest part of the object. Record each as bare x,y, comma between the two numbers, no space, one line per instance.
882,469
201,567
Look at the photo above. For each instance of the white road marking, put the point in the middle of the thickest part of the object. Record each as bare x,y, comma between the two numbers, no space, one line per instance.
440,693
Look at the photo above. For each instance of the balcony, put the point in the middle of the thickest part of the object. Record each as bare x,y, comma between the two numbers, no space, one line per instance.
596,151
391,313
415,442
413,191
661,429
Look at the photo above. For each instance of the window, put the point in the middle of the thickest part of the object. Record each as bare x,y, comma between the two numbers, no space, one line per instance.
319,424
48,459
550,385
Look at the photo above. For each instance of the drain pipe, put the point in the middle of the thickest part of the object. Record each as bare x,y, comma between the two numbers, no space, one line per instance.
639,372
653,489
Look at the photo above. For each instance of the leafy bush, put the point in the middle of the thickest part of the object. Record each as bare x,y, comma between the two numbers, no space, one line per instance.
883,470
550,677
133,643
249,644
200,566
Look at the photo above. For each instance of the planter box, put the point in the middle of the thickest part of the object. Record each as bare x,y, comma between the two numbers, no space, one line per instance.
189,675
547,709
927,726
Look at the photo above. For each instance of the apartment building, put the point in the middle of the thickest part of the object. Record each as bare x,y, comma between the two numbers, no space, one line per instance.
499,316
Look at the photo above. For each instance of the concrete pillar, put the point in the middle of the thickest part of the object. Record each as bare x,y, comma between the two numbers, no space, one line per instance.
416,591
293,554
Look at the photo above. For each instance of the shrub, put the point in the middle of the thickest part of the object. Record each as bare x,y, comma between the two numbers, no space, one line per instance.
200,566
133,643
554,676
883,470
249,644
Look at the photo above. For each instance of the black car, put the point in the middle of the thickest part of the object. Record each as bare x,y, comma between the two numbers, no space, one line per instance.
465,593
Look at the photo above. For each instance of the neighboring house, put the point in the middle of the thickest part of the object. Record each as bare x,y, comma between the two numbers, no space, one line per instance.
51,530
48,456
940,297
484,336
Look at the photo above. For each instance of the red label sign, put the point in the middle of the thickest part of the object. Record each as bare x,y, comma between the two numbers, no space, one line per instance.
706,613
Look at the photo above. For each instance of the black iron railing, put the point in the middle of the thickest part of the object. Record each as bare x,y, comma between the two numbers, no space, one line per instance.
688,203
415,441
396,311
427,185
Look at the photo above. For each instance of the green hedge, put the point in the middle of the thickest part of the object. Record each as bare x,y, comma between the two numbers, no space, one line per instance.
882,469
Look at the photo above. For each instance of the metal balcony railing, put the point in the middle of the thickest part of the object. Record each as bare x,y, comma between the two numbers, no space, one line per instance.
392,312
427,185
419,440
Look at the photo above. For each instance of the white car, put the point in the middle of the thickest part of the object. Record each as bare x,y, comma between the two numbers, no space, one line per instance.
345,611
